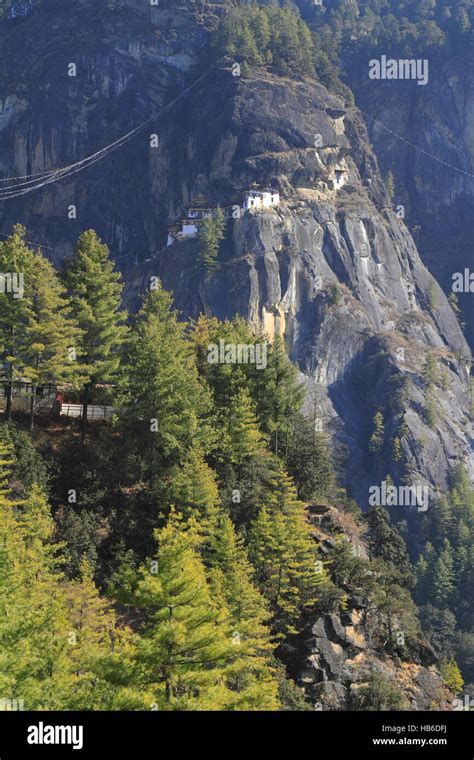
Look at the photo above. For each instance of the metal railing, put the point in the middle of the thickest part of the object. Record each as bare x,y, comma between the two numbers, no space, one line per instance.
94,412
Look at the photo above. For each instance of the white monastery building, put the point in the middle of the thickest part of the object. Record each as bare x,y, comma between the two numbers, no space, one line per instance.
189,227
261,199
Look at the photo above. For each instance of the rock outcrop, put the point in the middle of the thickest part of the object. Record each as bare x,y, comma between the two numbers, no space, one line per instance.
425,137
339,653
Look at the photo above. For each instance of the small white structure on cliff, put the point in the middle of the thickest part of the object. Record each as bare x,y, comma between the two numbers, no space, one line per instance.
188,229
261,199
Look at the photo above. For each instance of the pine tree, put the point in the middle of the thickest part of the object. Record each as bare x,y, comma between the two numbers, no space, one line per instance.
231,580
378,434
185,646
243,434
211,232
397,454
387,543
284,555
430,410
225,379
50,632
95,290
194,491
99,651
307,460
390,186
50,334
441,519
443,576
421,572
34,663
278,395
452,676
15,263
430,371
164,399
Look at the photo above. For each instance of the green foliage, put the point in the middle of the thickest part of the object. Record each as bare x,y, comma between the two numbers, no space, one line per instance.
291,697
452,675
188,656
256,35
16,260
378,434
397,454
284,555
430,409
454,303
444,566
51,335
335,295
440,626
278,395
211,233
163,399
45,656
307,460
95,291
430,372
28,467
205,471
379,694
37,332
388,545
390,187
244,438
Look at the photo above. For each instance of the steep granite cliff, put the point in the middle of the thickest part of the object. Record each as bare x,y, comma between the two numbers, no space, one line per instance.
331,267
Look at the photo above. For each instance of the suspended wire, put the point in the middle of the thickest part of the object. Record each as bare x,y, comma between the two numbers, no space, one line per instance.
46,178
417,147
30,242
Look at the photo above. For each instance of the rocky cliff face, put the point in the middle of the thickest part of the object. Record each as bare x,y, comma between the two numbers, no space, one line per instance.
425,137
337,654
331,268
130,60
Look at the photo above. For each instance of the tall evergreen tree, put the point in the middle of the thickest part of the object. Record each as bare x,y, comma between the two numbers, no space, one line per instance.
51,336
95,290
17,279
186,651
278,395
307,460
34,628
211,232
378,434
231,581
244,438
164,399
98,648
443,575
284,554
387,543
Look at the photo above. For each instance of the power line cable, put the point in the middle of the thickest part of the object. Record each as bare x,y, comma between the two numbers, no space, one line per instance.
46,178
417,147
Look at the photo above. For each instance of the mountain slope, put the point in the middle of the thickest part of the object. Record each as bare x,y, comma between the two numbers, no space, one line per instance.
331,268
